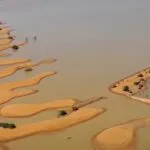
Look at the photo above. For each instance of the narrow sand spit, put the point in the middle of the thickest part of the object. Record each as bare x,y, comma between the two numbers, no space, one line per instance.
8,91
26,110
13,61
121,137
5,47
12,69
132,85
49,126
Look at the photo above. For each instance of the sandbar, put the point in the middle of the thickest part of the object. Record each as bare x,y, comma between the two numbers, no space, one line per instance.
120,137
5,47
5,30
13,61
5,42
26,110
8,91
133,84
12,69
49,126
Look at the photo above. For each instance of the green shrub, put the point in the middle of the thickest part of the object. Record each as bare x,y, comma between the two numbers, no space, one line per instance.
136,83
15,47
140,75
8,125
126,88
62,113
114,86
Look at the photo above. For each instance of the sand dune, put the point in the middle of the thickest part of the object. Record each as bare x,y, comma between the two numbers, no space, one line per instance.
121,137
7,89
49,126
26,110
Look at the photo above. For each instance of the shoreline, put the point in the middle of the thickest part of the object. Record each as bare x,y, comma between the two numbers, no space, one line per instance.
131,96
81,116
102,140
28,110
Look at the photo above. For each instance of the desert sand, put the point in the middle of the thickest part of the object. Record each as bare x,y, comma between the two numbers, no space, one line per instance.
120,137
26,110
135,84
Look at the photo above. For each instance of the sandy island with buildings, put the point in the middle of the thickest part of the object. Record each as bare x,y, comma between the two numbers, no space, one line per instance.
132,85
77,115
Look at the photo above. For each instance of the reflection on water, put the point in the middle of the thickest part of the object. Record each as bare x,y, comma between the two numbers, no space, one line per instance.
96,43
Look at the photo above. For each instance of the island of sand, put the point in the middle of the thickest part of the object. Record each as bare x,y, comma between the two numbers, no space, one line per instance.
132,85
120,137
76,114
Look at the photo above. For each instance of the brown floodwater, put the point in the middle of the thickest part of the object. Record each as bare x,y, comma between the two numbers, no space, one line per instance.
96,43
